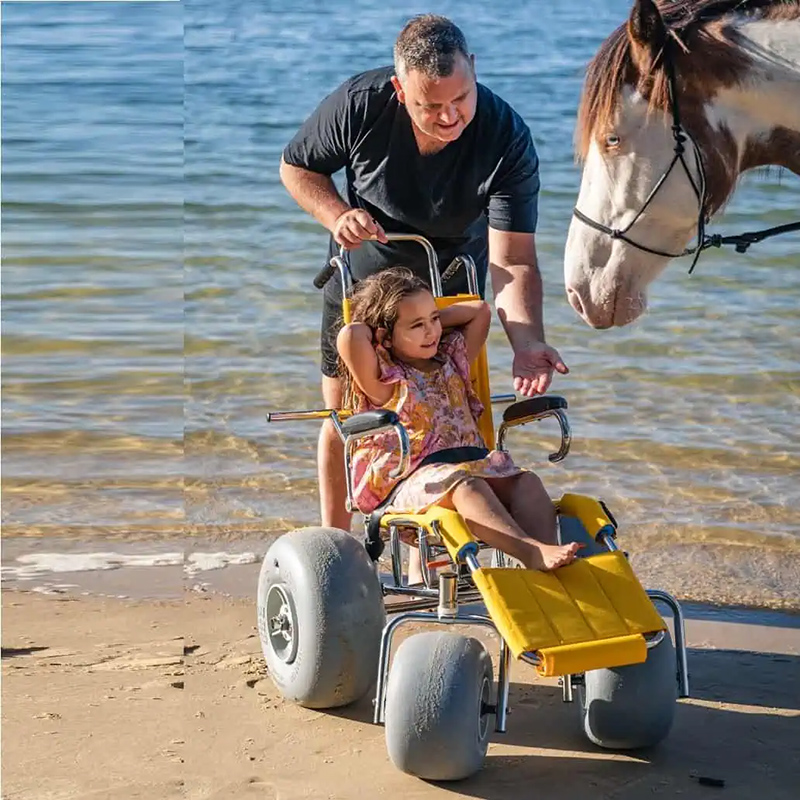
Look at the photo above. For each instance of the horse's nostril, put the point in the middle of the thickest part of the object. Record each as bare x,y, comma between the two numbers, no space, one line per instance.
575,300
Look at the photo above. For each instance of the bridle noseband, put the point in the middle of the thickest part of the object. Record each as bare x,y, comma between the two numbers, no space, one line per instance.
741,241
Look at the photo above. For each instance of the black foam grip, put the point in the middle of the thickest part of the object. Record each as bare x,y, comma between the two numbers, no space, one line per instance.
368,420
533,406
324,275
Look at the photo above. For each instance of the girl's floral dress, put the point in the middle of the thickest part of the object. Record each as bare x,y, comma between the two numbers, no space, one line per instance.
439,410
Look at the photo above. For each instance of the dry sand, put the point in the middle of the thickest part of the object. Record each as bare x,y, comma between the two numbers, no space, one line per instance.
119,699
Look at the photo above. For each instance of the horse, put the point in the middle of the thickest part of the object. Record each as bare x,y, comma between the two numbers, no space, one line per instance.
677,103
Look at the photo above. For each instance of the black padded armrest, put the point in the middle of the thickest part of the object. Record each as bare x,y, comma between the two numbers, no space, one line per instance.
367,421
532,407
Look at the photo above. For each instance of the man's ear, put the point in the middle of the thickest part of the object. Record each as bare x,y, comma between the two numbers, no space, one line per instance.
398,88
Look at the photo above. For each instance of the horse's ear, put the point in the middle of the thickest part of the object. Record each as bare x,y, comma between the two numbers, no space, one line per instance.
646,30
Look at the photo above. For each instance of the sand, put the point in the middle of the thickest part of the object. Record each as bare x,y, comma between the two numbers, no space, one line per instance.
118,699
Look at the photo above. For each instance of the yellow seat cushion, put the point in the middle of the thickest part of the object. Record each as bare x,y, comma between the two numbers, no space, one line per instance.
588,510
596,602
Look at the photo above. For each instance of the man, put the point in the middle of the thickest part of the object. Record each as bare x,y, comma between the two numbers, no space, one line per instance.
426,150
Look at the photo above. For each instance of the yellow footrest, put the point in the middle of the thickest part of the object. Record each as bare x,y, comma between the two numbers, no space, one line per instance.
567,659
578,615
590,614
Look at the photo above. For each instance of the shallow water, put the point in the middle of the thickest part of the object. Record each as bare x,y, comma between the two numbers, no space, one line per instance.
157,297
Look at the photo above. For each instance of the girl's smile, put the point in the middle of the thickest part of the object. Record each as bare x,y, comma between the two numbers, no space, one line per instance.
417,330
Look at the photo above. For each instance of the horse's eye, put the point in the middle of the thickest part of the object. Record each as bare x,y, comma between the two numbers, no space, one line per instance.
612,140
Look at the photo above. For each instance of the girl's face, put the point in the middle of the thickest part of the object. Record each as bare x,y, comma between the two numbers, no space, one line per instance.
417,330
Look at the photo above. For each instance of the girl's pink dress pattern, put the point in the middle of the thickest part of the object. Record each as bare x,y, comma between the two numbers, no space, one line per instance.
439,410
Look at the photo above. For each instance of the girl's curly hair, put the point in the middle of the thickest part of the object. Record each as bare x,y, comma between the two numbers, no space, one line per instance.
375,301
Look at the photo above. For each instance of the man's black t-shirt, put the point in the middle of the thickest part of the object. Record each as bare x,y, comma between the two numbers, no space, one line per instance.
490,174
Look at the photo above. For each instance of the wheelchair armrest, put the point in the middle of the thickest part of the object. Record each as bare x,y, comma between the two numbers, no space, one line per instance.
364,424
368,421
527,410
536,408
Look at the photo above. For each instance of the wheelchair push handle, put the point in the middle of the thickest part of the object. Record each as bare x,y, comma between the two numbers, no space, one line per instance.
340,262
324,275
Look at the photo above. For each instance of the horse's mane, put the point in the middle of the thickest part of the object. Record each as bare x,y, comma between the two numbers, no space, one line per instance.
613,65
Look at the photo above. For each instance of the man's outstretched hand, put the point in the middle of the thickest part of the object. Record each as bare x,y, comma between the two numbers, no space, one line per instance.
533,368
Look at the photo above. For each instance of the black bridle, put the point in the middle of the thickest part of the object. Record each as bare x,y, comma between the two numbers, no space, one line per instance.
741,241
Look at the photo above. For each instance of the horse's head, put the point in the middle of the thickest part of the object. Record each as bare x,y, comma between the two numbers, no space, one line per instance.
639,205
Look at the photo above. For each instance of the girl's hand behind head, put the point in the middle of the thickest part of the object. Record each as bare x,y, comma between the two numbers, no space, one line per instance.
379,336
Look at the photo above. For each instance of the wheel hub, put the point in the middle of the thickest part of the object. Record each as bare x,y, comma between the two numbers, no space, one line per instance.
281,624
483,709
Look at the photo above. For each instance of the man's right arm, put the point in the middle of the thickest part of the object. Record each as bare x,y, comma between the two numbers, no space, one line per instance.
316,193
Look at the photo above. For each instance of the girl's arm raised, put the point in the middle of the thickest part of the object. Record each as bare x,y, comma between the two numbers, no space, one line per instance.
354,344
474,318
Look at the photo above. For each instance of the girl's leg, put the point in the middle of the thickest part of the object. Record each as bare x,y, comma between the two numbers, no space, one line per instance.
414,566
529,504
490,521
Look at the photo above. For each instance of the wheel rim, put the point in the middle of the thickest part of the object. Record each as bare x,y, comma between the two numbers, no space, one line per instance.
483,715
281,627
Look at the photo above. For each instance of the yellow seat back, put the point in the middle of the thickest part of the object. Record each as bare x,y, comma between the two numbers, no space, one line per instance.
479,373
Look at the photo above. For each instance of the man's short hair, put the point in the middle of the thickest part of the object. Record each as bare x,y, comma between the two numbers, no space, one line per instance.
429,43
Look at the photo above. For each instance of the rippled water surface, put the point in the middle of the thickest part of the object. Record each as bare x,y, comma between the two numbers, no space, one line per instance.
157,296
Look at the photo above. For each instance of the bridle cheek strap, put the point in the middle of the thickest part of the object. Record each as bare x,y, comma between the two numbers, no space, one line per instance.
698,187
700,194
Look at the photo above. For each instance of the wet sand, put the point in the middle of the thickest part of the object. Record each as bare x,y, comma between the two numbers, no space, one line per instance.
122,699
716,574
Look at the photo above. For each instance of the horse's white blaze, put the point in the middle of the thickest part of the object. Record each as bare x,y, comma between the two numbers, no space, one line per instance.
606,280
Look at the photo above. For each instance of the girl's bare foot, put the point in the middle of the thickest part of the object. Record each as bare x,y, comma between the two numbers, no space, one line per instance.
548,557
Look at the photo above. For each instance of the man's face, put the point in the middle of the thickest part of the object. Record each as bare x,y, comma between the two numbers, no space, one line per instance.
440,107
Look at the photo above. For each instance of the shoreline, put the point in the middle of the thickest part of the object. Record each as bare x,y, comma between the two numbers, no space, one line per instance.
123,699
712,576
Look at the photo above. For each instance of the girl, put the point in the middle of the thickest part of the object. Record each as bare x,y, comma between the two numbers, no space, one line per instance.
396,354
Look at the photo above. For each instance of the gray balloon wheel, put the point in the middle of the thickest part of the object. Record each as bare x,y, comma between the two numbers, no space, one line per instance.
436,717
320,617
626,708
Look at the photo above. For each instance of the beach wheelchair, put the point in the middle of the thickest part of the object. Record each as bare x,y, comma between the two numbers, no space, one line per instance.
323,605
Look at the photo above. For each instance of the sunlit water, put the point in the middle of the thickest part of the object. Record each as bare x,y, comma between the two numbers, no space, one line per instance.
157,296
